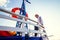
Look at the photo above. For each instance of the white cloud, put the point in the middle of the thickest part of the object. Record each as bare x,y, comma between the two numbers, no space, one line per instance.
4,2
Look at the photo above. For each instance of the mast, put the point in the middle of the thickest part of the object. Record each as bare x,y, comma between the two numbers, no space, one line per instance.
22,12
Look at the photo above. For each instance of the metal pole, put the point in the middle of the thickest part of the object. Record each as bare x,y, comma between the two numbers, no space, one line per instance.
6,11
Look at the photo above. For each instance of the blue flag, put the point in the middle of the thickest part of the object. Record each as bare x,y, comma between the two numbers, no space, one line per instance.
28,1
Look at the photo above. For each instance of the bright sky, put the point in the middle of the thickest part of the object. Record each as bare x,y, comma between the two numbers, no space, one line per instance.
49,10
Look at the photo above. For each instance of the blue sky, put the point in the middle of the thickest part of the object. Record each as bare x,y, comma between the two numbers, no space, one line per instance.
49,10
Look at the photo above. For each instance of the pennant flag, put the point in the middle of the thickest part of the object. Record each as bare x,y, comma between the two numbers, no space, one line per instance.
28,1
